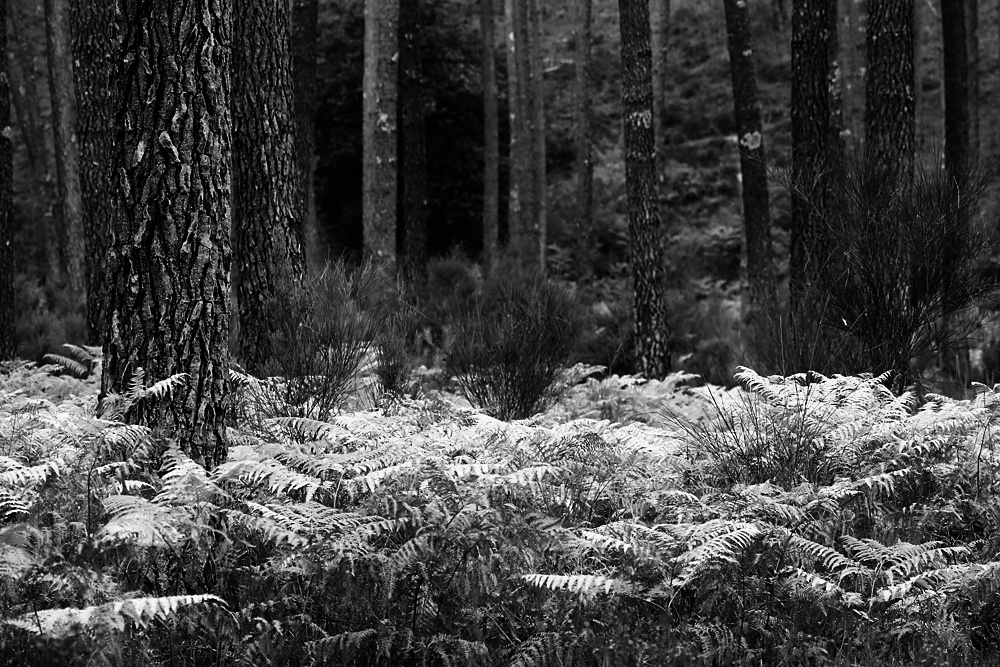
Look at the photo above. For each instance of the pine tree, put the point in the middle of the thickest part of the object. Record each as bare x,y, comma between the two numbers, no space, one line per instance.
412,144
491,137
6,203
890,110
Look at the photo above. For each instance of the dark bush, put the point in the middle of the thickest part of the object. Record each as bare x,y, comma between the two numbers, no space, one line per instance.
511,343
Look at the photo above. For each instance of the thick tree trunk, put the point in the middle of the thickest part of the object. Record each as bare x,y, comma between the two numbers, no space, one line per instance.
268,206
757,262
972,37
491,138
652,347
523,203
168,300
584,126
538,159
94,32
305,32
412,144
379,132
516,121
7,343
815,135
890,109
853,15
67,151
957,119
659,17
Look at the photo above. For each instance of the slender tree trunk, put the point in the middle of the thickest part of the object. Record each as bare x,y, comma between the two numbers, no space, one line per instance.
268,204
890,109
523,203
7,343
491,138
412,144
757,261
516,120
94,32
972,35
652,346
659,17
584,127
379,132
815,136
540,180
27,103
957,119
168,300
305,32
67,152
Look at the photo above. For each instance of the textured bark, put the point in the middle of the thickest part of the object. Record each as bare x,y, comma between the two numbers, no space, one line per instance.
758,265
957,121
890,110
25,73
305,31
95,37
538,159
652,346
7,347
853,51
268,207
523,209
584,124
972,37
815,134
379,132
412,144
491,137
659,18
168,301
67,152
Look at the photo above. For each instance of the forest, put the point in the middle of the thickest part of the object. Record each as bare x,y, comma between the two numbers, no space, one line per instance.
521,333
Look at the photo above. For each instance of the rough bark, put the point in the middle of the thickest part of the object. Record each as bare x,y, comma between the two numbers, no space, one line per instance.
972,37
491,137
95,37
537,106
659,17
412,144
379,133
515,120
7,346
268,207
853,50
584,124
523,204
890,108
305,31
67,152
652,347
757,262
815,134
168,300
957,119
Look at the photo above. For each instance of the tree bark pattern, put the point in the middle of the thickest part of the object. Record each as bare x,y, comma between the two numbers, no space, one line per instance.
379,132
67,152
584,123
659,18
538,152
413,143
305,33
94,31
890,91
652,346
7,343
268,206
523,206
168,303
957,119
972,37
491,137
758,264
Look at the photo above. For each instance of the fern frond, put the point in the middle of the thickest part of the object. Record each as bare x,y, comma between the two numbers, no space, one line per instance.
139,522
923,559
21,476
277,477
12,506
344,646
582,584
547,649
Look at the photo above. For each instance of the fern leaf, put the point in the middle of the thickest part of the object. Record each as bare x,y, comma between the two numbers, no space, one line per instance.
30,476
139,522
582,584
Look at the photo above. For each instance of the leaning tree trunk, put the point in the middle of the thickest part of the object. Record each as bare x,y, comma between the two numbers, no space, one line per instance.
168,299
94,31
652,347
379,133
305,32
66,149
491,138
268,207
7,348
815,135
758,264
584,129
890,109
412,144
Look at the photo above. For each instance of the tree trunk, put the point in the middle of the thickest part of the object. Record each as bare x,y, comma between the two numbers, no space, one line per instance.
537,95
94,32
412,144
584,128
815,136
890,109
523,205
7,344
491,138
67,151
972,35
168,299
757,263
853,49
268,207
957,119
652,346
515,115
379,133
659,17
305,31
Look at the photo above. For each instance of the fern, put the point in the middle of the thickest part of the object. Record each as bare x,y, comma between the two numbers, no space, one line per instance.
581,584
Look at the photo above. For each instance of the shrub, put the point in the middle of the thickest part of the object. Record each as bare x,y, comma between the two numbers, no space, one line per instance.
511,343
